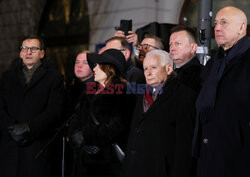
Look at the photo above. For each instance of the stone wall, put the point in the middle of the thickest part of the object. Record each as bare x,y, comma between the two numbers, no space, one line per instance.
18,18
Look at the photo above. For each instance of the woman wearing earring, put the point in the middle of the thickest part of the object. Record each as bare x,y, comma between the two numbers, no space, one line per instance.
104,117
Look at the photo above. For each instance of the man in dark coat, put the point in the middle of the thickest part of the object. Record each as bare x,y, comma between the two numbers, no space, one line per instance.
133,74
222,134
31,100
161,133
182,47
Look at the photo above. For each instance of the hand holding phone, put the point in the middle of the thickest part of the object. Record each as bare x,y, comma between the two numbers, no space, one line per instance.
125,26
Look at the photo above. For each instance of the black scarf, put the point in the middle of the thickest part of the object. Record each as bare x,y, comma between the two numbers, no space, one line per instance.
206,99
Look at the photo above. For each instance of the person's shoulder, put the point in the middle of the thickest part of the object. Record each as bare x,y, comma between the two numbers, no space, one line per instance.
180,88
135,70
52,70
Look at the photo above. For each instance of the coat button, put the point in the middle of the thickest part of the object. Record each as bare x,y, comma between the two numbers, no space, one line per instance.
205,140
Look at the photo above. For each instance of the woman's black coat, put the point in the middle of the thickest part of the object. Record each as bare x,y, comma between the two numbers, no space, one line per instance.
39,104
160,140
112,111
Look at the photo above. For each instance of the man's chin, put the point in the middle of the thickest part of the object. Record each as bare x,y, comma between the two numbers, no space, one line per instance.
152,84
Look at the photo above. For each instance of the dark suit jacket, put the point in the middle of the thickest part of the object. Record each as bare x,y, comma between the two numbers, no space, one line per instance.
190,74
160,140
39,104
134,74
224,139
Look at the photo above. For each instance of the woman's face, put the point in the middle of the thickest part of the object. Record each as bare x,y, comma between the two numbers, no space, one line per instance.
99,74
82,69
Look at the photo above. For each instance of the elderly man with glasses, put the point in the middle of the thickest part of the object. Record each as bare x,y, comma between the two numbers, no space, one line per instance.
31,101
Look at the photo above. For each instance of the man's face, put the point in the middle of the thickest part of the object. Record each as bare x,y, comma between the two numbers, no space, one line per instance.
82,69
226,29
181,48
116,44
146,45
154,72
30,58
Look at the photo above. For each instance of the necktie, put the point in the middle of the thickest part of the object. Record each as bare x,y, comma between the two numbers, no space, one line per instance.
148,96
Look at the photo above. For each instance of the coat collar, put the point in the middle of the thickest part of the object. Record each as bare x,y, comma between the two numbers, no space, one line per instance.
36,77
168,90
234,56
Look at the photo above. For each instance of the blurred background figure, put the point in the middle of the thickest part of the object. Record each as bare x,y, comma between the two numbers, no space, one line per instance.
133,74
148,43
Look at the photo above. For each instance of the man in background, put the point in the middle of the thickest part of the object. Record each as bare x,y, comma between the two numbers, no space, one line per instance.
182,47
133,74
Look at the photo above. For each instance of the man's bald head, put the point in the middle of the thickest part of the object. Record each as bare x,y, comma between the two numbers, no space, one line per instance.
230,26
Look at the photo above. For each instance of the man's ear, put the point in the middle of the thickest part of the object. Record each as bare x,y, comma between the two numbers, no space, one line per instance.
127,54
169,69
42,53
194,47
242,28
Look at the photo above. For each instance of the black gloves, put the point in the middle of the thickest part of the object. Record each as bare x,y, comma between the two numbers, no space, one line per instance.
77,140
20,133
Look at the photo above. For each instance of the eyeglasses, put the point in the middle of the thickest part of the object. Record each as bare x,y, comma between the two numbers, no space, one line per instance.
145,46
122,50
32,49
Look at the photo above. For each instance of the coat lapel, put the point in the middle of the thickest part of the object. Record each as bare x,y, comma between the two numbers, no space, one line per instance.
167,92
237,60
37,76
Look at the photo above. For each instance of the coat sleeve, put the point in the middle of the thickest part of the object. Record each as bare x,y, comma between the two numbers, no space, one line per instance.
46,122
183,161
5,119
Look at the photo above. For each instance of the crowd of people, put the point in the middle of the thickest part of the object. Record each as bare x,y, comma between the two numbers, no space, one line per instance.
182,119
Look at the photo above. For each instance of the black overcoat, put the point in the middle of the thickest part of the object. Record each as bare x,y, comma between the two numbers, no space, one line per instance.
224,138
39,105
160,140
190,74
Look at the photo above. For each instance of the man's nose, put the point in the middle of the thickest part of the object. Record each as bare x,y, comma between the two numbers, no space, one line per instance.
29,51
172,47
217,27
148,73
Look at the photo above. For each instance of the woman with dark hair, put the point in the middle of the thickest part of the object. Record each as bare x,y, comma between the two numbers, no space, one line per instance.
103,119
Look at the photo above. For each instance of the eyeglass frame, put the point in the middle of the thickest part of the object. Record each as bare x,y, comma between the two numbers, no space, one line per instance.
33,49
145,46
122,50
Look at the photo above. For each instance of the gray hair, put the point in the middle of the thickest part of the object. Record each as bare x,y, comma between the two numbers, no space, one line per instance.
163,55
